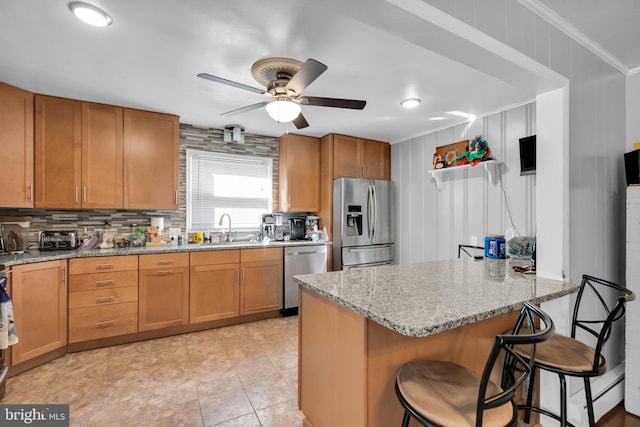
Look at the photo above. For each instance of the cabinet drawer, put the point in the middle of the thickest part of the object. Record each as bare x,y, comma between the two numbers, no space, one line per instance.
103,297
90,282
92,323
103,264
164,260
262,254
214,257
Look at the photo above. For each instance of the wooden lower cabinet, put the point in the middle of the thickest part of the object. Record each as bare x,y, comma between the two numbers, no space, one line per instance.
103,297
261,280
164,291
214,289
39,295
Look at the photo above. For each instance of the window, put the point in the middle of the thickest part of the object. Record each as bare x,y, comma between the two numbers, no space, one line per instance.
240,186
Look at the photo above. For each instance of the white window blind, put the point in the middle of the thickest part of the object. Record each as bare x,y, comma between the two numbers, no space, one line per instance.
240,186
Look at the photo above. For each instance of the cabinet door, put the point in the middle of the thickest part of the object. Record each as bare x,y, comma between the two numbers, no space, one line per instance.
299,173
214,292
163,298
372,158
151,147
102,154
58,134
40,309
345,157
16,147
261,286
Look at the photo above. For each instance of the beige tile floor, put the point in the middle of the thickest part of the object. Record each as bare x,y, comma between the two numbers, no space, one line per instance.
243,375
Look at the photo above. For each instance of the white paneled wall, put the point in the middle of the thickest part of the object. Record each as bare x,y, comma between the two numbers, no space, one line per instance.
597,141
431,221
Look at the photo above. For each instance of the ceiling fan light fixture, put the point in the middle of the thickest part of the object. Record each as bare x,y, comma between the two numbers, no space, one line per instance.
410,102
90,14
283,110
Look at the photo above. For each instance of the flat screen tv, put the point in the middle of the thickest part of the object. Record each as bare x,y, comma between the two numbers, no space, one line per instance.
528,155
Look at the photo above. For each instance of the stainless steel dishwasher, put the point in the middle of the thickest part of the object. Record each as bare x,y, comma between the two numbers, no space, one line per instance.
300,260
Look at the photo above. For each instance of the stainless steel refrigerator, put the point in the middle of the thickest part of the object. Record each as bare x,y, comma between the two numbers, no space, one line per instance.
362,232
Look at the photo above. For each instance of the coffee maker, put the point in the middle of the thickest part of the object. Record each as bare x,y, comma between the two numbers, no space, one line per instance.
271,227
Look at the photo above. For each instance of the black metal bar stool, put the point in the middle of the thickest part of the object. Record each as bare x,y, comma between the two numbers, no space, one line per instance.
440,393
566,356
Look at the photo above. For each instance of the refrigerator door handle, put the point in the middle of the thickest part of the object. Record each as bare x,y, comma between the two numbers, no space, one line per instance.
375,211
369,211
368,248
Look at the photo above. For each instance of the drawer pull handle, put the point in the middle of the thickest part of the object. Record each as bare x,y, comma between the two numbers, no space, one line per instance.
165,262
104,266
104,282
165,271
103,299
105,324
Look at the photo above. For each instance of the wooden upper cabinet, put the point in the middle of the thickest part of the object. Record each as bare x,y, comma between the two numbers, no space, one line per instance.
373,158
78,154
360,158
16,147
151,148
299,175
58,145
346,161
102,156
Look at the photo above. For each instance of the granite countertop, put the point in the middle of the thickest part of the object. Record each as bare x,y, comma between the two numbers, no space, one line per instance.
33,256
423,299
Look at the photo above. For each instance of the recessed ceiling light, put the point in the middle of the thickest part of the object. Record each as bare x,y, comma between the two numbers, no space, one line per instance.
90,14
410,102
462,114
437,118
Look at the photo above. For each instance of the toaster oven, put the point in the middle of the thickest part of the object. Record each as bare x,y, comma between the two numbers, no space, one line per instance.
57,240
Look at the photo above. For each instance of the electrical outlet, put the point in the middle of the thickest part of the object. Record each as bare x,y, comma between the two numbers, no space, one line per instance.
474,240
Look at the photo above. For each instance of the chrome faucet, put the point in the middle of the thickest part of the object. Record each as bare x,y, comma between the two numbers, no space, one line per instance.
220,223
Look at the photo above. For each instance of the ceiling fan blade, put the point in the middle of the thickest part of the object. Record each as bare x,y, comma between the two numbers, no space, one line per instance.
309,71
245,109
231,83
333,102
300,122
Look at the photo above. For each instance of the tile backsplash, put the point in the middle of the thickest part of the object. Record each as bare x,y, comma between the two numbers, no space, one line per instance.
122,222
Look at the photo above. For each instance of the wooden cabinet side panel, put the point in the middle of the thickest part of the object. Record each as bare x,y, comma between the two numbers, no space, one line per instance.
386,162
40,309
387,351
16,147
214,292
326,184
151,149
58,130
163,298
102,156
332,364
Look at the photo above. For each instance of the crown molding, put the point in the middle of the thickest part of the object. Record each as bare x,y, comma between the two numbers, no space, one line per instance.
553,18
634,70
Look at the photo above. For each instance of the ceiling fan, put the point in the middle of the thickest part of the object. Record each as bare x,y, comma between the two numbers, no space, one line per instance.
284,80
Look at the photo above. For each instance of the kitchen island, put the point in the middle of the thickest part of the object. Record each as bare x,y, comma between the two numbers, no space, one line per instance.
358,327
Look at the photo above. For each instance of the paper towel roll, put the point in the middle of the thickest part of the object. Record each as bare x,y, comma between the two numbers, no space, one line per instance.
158,221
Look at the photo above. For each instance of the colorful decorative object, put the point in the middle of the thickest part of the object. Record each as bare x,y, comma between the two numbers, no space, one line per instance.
478,151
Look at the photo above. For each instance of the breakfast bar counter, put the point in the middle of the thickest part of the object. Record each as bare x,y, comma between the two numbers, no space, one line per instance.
358,327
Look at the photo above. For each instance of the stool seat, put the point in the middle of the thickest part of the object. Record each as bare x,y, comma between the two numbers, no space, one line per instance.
447,394
564,353
443,393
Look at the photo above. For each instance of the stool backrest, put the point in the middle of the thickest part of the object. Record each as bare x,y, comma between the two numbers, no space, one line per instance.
475,252
600,327
515,368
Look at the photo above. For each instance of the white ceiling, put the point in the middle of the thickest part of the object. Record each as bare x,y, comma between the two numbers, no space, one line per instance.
150,56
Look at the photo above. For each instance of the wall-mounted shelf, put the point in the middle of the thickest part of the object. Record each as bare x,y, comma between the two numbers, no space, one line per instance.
489,167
